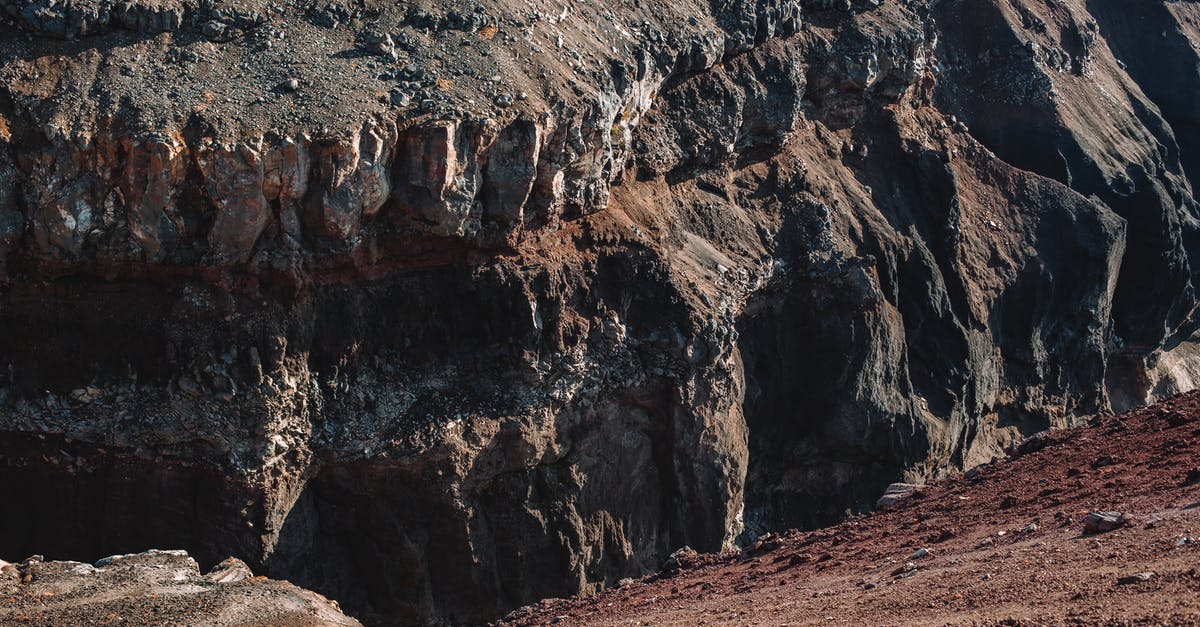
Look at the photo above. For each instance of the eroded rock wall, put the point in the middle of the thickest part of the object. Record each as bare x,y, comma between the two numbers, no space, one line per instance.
738,275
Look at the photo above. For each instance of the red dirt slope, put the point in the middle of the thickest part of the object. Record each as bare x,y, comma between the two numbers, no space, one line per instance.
1005,546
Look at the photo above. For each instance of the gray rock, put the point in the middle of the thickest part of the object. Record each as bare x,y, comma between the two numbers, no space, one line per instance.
217,31
230,570
681,559
895,493
1102,522
1135,578
379,43
400,98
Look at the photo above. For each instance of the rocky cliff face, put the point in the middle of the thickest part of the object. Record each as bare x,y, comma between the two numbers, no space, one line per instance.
442,309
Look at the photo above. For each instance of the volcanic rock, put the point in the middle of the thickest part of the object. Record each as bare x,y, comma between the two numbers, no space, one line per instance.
230,570
1101,522
895,493
728,268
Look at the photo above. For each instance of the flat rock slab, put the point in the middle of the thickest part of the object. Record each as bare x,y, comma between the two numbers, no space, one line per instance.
1102,522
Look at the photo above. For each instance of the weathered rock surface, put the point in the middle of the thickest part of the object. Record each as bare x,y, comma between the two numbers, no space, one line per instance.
155,588
896,493
856,571
442,309
1101,522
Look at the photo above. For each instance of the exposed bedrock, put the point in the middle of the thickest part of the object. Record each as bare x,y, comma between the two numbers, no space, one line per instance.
329,414
437,362
1081,107
155,587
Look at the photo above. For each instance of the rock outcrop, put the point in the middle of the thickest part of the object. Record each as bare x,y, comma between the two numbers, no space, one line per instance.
155,588
439,310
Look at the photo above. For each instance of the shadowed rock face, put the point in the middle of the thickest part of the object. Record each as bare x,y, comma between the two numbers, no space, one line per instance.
492,305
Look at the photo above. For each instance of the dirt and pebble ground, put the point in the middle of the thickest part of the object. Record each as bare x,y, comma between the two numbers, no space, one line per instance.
1004,544
251,67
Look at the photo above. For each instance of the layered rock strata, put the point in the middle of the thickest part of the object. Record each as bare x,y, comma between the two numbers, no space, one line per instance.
439,310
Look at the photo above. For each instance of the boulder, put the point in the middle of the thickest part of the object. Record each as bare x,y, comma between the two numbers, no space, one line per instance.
1103,522
895,493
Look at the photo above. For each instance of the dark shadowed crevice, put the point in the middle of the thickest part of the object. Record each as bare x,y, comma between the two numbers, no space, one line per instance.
819,445
86,502
77,333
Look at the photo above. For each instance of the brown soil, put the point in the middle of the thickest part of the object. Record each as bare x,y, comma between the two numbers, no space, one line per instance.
986,564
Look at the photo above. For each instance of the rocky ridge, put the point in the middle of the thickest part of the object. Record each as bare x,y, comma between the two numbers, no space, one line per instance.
486,303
